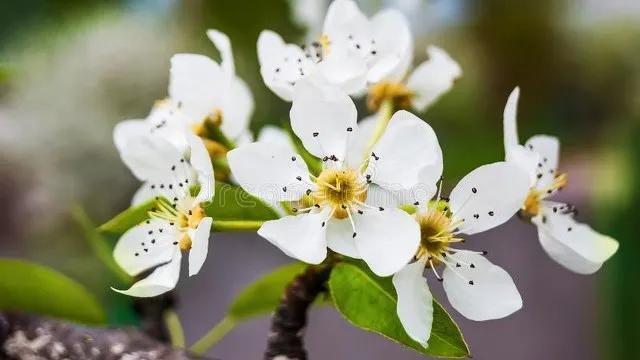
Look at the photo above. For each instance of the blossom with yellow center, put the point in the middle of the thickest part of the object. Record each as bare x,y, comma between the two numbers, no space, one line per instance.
478,289
351,206
177,224
351,51
574,245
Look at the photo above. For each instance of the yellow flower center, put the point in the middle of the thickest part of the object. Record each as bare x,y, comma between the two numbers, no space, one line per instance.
324,44
396,92
341,189
435,235
532,204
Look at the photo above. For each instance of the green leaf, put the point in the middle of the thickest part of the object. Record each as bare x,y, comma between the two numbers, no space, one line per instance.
262,296
233,203
102,247
369,302
127,219
37,289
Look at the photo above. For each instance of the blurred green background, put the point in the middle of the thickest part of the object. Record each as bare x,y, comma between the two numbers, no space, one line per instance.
71,69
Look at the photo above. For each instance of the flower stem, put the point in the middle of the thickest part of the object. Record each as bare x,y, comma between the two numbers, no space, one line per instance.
176,332
214,335
236,225
384,116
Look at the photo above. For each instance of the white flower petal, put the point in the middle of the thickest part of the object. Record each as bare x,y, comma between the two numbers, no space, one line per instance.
281,64
145,246
340,238
126,130
488,196
548,149
323,117
275,135
201,163
270,171
407,146
573,245
509,121
526,160
386,240
358,142
149,157
493,295
343,69
302,237
198,85
415,302
221,42
199,245
143,194
392,52
237,110
161,280
344,18
433,78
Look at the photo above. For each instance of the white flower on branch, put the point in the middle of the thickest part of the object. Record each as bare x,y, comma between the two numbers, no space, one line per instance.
351,52
200,91
178,223
350,206
478,289
573,245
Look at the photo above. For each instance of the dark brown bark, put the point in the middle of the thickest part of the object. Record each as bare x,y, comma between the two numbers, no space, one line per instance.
32,337
286,339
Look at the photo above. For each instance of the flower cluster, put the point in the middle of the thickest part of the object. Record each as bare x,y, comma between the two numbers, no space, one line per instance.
377,194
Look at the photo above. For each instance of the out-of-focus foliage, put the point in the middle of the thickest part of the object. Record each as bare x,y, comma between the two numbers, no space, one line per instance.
34,288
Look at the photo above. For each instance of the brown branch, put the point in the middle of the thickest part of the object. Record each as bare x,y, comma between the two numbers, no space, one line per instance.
290,318
32,337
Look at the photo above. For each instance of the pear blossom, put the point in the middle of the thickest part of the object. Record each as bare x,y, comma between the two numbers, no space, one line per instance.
573,245
476,288
423,87
200,90
352,51
351,206
181,185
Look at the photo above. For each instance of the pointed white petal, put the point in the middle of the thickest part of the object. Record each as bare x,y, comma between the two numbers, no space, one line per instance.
386,240
548,150
281,64
340,238
433,78
574,245
510,126
488,196
301,236
415,302
492,295
407,147
526,160
221,42
392,52
201,163
199,245
197,85
270,171
237,110
145,246
161,280
321,117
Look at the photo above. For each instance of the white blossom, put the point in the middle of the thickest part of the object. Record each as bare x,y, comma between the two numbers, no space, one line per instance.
573,245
